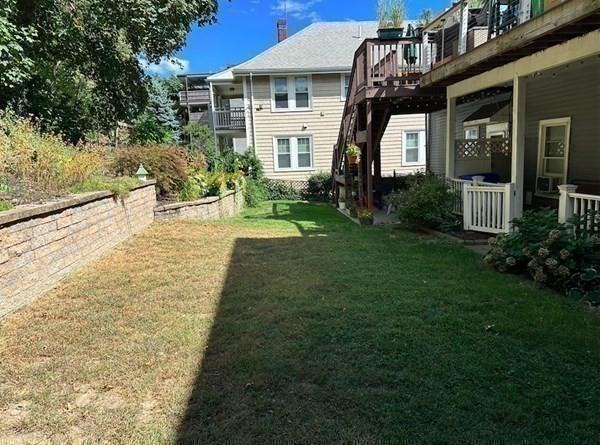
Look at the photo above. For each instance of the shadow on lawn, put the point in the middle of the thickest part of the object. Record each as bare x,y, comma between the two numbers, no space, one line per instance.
276,364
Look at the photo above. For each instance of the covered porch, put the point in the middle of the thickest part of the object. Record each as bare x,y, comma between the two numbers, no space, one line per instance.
531,139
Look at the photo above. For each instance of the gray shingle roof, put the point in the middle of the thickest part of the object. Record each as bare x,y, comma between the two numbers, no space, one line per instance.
322,46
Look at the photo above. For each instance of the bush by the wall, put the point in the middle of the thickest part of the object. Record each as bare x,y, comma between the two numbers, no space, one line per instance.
318,187
281,190
167,164
565,257
39,165
427,201
255,192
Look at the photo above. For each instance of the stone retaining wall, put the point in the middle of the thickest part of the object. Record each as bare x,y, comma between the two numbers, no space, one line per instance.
214,207
40,244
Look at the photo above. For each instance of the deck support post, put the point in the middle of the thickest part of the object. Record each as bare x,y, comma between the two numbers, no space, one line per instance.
518,144
450,135
463,27
369,157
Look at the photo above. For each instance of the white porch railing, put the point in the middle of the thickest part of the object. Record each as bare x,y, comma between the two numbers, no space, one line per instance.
572,203
485,207
488,208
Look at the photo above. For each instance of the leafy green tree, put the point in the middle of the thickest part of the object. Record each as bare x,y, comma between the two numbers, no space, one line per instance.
83,57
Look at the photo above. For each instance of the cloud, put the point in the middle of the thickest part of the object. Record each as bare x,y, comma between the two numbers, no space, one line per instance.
166,67
298,9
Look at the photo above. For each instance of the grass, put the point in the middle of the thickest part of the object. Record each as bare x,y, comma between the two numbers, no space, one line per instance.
291,323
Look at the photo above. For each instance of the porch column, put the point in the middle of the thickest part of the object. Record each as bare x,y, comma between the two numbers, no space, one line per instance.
450,135
518,144
369,163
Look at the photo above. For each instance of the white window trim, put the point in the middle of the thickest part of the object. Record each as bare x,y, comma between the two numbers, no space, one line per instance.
422,161
561,121
291,89
469,128
342,86
293,153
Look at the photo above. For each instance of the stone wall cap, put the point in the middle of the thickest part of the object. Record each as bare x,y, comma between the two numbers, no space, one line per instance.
29,211
199,202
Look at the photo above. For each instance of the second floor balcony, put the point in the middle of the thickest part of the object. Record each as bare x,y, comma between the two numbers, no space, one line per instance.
194,97
229,118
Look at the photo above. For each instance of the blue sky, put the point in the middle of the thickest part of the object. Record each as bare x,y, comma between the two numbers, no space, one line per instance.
247,27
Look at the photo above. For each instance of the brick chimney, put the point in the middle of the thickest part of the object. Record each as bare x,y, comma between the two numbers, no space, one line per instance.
282,31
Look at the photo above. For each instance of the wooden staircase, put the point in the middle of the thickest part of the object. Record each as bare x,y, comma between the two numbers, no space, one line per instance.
384,82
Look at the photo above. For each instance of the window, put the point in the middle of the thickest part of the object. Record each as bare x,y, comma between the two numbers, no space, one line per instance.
553,149
413,147
471,132
301,84
345,83
291,93
281,93
293,153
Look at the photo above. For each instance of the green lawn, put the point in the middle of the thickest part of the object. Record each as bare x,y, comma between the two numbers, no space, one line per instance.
291,323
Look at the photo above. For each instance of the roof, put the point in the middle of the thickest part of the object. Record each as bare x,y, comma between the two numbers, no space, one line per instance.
320,47
487,112
222,76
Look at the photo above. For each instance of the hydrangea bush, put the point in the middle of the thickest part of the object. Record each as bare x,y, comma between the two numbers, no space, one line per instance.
562,256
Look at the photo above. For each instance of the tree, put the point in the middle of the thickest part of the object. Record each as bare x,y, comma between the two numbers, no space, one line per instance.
158,123
82,57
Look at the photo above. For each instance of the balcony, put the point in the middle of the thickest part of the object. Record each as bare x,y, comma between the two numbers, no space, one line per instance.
200,117
229,119
196,97
512,29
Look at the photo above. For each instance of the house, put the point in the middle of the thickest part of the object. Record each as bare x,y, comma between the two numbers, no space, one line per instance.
287,103
519,126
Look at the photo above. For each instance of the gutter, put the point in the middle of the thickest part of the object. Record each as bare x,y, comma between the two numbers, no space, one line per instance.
252,113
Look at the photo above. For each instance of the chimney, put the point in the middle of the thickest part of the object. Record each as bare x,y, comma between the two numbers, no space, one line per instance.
282,31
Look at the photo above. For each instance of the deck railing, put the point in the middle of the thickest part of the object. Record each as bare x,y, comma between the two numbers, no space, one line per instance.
194,97
230,119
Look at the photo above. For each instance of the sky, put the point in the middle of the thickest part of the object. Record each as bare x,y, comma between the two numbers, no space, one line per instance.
245,28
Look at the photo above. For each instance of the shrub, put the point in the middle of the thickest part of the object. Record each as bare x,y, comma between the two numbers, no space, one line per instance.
319,187
119,186
281,190
4,205
167,164
195,187
250,165
42,165
254,192
427,201
216,183
565,257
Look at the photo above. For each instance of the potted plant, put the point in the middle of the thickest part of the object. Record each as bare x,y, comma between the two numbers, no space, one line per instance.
353,153
391,19
365,216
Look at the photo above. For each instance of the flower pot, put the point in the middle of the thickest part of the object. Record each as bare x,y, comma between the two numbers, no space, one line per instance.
390,33
353,159
342,205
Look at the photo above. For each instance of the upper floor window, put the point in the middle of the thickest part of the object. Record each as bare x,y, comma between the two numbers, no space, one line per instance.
345,82
291,93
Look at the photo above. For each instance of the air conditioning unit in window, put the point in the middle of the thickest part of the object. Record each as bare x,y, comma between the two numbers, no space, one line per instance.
546,184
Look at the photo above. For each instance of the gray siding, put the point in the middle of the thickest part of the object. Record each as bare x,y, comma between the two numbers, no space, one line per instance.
569,92
438,137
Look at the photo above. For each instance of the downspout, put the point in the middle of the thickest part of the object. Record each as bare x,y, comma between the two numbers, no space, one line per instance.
252,113
211,93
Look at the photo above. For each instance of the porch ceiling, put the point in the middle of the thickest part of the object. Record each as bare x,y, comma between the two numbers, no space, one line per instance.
564,22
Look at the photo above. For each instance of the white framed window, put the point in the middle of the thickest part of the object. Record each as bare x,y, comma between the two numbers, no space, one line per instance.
472,132
345,86
413,147
291,93
293,152
553,149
